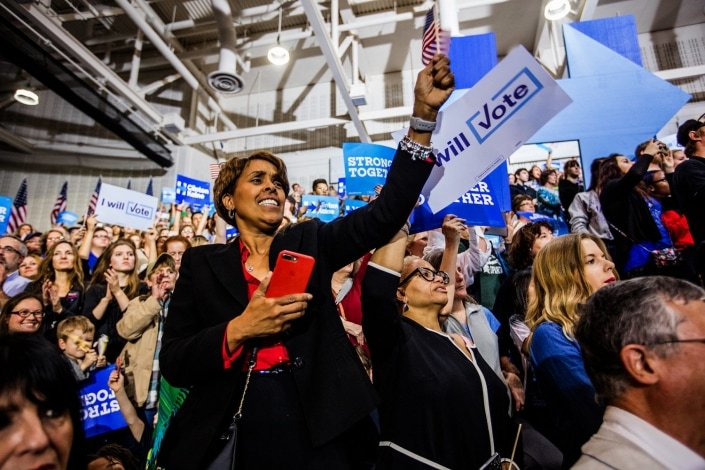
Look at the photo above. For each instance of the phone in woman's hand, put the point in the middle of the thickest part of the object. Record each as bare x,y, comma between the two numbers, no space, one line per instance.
291,274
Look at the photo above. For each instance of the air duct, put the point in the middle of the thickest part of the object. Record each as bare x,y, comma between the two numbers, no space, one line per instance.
225,80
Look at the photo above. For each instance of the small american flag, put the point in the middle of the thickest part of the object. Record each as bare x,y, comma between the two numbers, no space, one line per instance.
434,39
150,188
18,214
215,170
94,197
60,204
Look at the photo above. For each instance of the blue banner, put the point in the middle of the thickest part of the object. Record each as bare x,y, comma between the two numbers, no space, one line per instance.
483,204
352,204
325,208
168,195
230,232
559,226
366,166
478,206
193,192
100,411
5,209
341,187
67,218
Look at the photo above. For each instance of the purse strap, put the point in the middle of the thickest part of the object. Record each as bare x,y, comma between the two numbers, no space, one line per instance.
631,239
250,366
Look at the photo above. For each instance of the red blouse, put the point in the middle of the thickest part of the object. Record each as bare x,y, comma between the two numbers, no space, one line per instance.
272,351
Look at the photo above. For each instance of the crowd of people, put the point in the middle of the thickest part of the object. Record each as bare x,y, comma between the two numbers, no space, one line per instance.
447,349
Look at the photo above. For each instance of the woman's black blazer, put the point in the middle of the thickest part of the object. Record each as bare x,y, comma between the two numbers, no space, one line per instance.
333,387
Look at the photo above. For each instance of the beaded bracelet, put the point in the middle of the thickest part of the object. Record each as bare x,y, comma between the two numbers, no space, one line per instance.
417,151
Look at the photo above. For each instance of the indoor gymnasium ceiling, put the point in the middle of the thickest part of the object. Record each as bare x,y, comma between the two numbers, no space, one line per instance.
127,54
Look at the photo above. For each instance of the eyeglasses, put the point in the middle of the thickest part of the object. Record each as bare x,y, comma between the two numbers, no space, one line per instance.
9,249
55,239
27,313
102,236
694,340
428,274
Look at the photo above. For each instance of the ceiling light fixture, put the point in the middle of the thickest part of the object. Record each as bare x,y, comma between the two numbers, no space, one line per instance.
556,9
277,55
26,97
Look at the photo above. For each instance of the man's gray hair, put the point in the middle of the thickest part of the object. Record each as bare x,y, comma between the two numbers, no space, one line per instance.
22,249
629,312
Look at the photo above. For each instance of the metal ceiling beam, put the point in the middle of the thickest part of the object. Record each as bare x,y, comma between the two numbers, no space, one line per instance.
263,130
15,142
683,72
188,71
336,67
103,12
66,41
24,52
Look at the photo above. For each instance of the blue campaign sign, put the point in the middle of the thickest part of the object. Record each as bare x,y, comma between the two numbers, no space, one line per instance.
478,206
100,411
325,208
341,187
67,218
366,166
230,232
192,192
5,209
168,195
557,224
352,204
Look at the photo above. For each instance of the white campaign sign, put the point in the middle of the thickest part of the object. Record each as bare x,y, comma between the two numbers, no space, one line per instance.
125,207
481,127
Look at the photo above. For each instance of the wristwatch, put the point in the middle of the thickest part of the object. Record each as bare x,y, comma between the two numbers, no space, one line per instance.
420,125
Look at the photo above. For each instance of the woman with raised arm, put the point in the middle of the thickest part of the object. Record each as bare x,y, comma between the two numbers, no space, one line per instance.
308,400
633,215
442,405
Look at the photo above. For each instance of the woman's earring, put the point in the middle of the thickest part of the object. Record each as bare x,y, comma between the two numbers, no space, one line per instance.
231,214
405,307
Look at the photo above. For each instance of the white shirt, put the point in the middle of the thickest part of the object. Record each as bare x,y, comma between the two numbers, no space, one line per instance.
654,442
15,284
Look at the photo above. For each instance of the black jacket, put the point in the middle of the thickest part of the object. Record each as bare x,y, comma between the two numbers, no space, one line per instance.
689,190
627,210
333,388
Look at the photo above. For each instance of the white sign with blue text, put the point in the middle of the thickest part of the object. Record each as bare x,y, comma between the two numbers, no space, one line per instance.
480,129
125,207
